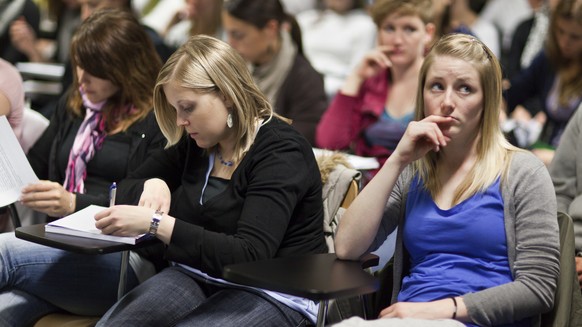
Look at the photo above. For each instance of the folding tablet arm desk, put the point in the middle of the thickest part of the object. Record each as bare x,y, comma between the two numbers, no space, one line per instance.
37,234
318,277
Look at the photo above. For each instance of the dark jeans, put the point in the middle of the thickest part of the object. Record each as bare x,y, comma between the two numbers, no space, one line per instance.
177,297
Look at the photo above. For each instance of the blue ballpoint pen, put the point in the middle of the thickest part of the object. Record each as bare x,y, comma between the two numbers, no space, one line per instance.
112,193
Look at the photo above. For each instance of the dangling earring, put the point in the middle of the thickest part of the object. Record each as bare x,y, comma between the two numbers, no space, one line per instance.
229,121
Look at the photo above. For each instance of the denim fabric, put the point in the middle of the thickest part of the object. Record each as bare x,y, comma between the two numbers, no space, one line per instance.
176,297
36,280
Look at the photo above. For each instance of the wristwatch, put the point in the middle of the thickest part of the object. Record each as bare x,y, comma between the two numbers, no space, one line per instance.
155,223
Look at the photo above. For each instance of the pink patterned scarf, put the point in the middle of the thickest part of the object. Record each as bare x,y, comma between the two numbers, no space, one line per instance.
89,138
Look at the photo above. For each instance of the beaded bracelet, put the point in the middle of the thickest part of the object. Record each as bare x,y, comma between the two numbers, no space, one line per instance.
455,312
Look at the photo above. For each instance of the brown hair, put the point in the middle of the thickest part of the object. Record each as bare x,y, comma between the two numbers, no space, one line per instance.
259,12
567,71
209,24
112,45
382,8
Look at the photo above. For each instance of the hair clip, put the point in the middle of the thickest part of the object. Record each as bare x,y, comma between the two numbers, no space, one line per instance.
473,39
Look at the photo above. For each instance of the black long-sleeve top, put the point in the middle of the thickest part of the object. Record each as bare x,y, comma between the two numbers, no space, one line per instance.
271,207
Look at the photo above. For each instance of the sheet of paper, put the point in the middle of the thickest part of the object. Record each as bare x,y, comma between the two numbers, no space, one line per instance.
15,171
82,220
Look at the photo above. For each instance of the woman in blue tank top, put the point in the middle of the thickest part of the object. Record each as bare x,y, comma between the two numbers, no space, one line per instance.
477,240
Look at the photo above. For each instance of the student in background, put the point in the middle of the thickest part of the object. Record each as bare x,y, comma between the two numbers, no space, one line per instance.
66,15
463,16
477,238
555,76
336,36
197,17
270,41
103,129
240,185
51,47
529,37
376,102
528,40
10,12
506,15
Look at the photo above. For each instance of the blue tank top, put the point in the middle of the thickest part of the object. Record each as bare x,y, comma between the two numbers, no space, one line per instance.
455,251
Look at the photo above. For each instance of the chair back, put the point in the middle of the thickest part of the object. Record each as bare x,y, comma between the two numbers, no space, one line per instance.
351,193
567,309
340,187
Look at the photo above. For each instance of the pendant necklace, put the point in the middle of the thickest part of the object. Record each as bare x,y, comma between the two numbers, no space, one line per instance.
228,163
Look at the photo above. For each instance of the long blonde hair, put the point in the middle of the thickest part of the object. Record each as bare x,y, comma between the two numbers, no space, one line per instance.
493,150
207,65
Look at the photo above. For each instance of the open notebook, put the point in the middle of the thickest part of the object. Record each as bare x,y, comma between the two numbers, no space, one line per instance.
82,224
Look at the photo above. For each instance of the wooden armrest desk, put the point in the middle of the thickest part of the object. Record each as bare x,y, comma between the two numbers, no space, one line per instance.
82,245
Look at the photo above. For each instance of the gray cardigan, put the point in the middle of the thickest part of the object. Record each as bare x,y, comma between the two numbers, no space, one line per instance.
532,242
566,172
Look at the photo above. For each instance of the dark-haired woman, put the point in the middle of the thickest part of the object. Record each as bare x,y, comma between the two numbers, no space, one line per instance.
102,129
270,41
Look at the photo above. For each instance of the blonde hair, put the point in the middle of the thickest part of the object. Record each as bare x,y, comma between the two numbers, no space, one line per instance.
207,65
493,150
